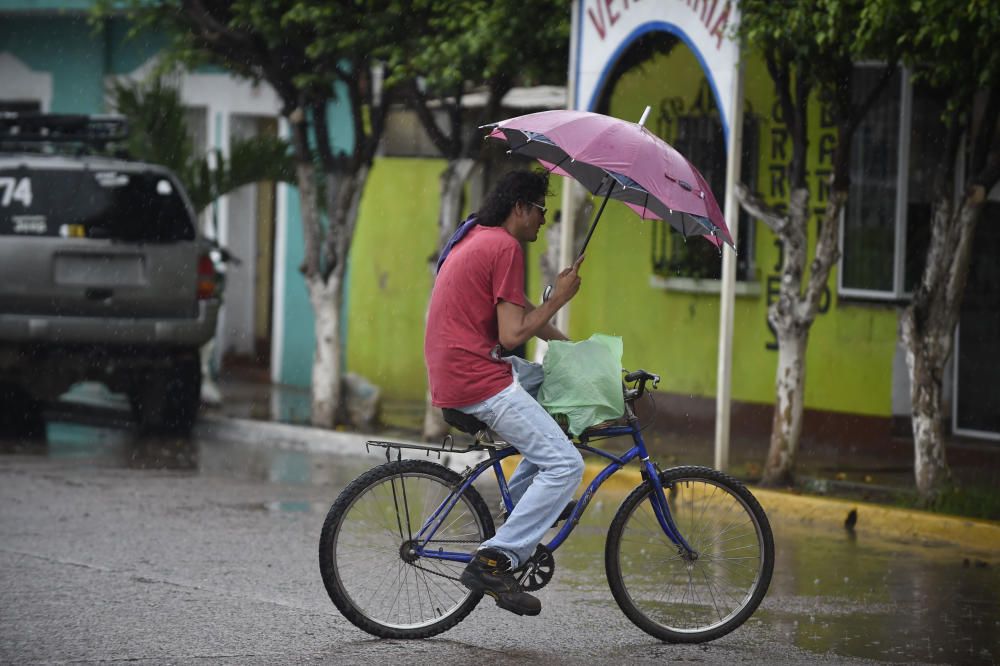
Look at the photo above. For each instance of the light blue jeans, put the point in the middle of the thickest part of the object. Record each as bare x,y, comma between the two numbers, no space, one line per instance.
545,480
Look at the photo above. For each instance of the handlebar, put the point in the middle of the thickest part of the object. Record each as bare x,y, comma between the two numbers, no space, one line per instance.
639,377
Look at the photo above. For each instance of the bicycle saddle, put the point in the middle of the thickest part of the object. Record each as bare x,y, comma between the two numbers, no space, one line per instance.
465,422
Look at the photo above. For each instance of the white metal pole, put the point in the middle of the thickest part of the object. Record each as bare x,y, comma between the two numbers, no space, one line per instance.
726,295
567,225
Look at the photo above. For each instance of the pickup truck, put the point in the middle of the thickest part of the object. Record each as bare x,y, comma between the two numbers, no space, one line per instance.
103,277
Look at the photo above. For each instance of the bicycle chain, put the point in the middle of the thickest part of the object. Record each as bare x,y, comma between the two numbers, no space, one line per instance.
438,573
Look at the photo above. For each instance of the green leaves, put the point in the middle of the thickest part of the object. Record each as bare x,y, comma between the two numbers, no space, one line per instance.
468,43
949,45
814,36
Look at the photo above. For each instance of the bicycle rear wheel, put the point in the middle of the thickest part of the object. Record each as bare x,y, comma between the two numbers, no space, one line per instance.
690,600
366,561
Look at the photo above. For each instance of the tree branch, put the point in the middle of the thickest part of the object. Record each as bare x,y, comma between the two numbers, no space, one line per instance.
756,207
241,52
825,255
497,89
418,101
800,127
983,151
353,83
990,174
318,108
304,167
377,115
456,116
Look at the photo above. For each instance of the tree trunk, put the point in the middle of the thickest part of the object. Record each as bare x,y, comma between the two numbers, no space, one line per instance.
343,193
927,329
930,466
326,299
790,376
786,427
792,316
453,180
324,398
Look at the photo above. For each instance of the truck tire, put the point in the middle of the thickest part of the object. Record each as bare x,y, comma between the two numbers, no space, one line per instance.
166,401
21,414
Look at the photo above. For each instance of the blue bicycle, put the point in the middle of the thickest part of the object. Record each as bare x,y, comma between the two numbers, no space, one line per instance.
689,553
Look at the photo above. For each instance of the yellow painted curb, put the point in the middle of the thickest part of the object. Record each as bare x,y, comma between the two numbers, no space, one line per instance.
884,522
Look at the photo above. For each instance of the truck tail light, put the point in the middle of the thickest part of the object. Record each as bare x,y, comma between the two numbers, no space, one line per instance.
206,277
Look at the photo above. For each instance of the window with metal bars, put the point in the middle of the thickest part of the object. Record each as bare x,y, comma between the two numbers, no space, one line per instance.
700,138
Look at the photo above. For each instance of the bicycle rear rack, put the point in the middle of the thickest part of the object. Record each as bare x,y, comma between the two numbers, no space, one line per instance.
481,442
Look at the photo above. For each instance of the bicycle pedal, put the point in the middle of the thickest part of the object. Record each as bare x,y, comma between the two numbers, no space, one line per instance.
537,571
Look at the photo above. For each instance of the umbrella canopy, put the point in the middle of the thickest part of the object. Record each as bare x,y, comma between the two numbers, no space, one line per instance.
620,160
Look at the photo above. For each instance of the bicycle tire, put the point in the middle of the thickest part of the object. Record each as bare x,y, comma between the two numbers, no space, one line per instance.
361,555
644,566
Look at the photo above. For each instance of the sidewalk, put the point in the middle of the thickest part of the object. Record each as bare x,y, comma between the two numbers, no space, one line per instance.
827,475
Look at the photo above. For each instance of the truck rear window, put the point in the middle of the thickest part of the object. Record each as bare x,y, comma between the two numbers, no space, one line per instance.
117,205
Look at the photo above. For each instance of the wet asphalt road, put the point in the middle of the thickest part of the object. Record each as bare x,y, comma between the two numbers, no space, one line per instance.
116,548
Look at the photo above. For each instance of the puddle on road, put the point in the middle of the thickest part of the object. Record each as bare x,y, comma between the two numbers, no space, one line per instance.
870,598
125,448
832,594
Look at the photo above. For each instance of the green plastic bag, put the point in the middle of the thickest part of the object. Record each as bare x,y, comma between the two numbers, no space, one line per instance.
583,381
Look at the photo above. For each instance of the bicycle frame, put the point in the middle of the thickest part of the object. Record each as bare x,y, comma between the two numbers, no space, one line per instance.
649,470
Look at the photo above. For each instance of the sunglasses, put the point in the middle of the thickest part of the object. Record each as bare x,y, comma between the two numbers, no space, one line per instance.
539,207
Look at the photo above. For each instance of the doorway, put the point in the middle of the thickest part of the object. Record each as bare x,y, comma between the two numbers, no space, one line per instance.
249,280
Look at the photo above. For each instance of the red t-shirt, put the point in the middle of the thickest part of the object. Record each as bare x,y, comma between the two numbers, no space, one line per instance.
484,268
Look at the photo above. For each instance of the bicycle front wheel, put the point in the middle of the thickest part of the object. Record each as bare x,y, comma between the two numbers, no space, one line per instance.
681,598
368,559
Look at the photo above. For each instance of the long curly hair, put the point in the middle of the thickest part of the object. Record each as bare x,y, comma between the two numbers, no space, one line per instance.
521,185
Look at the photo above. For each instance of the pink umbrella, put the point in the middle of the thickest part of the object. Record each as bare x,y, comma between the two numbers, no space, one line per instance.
619,160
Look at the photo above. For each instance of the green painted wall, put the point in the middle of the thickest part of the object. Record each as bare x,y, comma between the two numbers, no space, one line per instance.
390,280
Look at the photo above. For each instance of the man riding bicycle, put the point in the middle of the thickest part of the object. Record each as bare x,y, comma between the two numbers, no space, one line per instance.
477,308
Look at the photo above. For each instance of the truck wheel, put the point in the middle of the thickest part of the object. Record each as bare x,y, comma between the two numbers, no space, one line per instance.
166,401
21,415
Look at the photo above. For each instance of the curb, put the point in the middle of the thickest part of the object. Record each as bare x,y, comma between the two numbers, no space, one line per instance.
873,520
883,522
288,436
283,435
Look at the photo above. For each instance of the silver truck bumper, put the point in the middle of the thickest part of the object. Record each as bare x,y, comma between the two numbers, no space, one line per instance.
111,331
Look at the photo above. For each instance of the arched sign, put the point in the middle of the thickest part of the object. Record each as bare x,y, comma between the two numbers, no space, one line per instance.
605,28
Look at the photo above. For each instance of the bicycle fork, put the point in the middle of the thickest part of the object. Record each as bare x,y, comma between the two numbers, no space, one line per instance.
661,509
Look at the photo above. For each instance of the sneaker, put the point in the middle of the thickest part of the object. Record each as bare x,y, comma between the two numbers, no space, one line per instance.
567,510
489,572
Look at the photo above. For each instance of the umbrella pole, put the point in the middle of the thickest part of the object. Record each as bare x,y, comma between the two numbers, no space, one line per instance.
593,225
548,289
